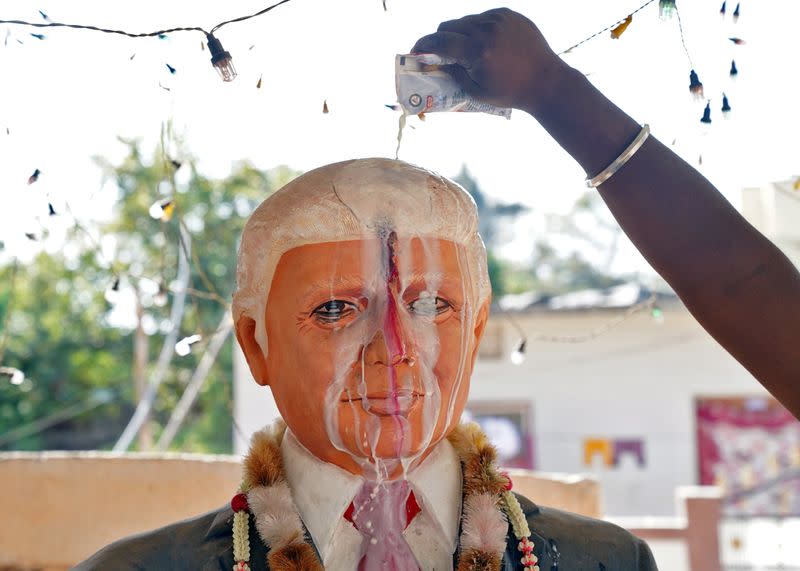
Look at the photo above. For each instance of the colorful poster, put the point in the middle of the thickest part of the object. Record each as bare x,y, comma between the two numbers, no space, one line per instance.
510,428
750,447
611,450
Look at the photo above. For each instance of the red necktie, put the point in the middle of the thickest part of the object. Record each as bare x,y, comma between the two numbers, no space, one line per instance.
381,512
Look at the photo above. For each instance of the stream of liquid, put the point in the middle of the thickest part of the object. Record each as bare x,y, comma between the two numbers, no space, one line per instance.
400,128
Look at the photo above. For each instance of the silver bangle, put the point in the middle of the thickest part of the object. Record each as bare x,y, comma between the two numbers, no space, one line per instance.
609,171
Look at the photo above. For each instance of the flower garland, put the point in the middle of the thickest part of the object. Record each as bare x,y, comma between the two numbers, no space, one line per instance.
489,506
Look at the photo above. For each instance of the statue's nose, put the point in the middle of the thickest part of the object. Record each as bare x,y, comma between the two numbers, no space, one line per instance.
382,351
391,344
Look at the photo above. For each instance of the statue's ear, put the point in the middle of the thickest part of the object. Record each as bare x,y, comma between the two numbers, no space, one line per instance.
246,334
480,324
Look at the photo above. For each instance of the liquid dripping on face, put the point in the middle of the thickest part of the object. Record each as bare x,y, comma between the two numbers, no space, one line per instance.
401,126
401,331
395,346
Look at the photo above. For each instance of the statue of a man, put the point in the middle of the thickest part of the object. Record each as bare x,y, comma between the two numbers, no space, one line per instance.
362,297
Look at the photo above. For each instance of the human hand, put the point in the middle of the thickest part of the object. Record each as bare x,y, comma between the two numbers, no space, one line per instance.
502,57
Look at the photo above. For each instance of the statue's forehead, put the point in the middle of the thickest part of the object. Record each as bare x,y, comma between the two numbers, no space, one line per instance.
369,258
410,247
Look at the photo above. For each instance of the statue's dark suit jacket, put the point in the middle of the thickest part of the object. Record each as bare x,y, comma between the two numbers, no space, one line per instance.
562,542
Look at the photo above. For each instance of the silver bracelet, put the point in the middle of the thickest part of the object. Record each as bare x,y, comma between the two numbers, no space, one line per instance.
609,171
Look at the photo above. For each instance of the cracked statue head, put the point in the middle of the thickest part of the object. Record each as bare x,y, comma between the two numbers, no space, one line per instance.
361,300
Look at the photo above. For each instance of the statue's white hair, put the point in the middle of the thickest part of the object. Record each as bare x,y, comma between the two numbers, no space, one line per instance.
349,201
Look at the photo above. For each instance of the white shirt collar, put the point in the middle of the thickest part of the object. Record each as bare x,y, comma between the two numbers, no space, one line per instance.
323,491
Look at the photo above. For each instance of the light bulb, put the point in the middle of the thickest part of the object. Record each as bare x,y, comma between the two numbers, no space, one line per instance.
112,294
162,210
658,314
666,8
184,346
221,59
518,355
14,375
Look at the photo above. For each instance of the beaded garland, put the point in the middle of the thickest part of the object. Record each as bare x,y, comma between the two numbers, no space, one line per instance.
489,505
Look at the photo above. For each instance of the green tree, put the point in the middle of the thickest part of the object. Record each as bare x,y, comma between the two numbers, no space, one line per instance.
71,342
56,334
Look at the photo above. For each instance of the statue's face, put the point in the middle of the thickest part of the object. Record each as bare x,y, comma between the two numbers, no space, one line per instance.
371,346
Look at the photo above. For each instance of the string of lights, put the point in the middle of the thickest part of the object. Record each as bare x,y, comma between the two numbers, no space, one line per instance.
647,304
607,28
519,352
668,8
683,38
220,59
183,346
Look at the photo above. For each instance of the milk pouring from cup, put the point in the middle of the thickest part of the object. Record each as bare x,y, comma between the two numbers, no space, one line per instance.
424,87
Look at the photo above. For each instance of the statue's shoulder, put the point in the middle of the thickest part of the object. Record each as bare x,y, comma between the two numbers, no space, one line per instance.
195,543
579,543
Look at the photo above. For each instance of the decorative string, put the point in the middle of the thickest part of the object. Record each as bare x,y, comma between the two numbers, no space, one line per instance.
683,40
104,30
242,18
607,28
144,34
649,303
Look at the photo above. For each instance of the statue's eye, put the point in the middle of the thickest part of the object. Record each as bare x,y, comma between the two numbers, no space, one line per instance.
333,310
429,306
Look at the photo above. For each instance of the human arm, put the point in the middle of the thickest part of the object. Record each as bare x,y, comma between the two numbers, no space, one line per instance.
736,283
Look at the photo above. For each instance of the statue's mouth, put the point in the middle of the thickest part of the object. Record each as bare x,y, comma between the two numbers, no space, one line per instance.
399,403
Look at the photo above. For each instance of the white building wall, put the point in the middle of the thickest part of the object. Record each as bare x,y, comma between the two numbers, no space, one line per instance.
774,209
638,380
253,405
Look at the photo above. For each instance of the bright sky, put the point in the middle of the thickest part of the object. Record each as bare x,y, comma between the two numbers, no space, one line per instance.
68,97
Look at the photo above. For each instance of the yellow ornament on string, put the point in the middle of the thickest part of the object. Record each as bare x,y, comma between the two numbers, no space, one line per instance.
620,29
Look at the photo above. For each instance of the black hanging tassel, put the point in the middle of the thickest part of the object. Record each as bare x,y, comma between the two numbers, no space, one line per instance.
722,10
725,105
736,13
706,114
734,71
50,210
695,87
